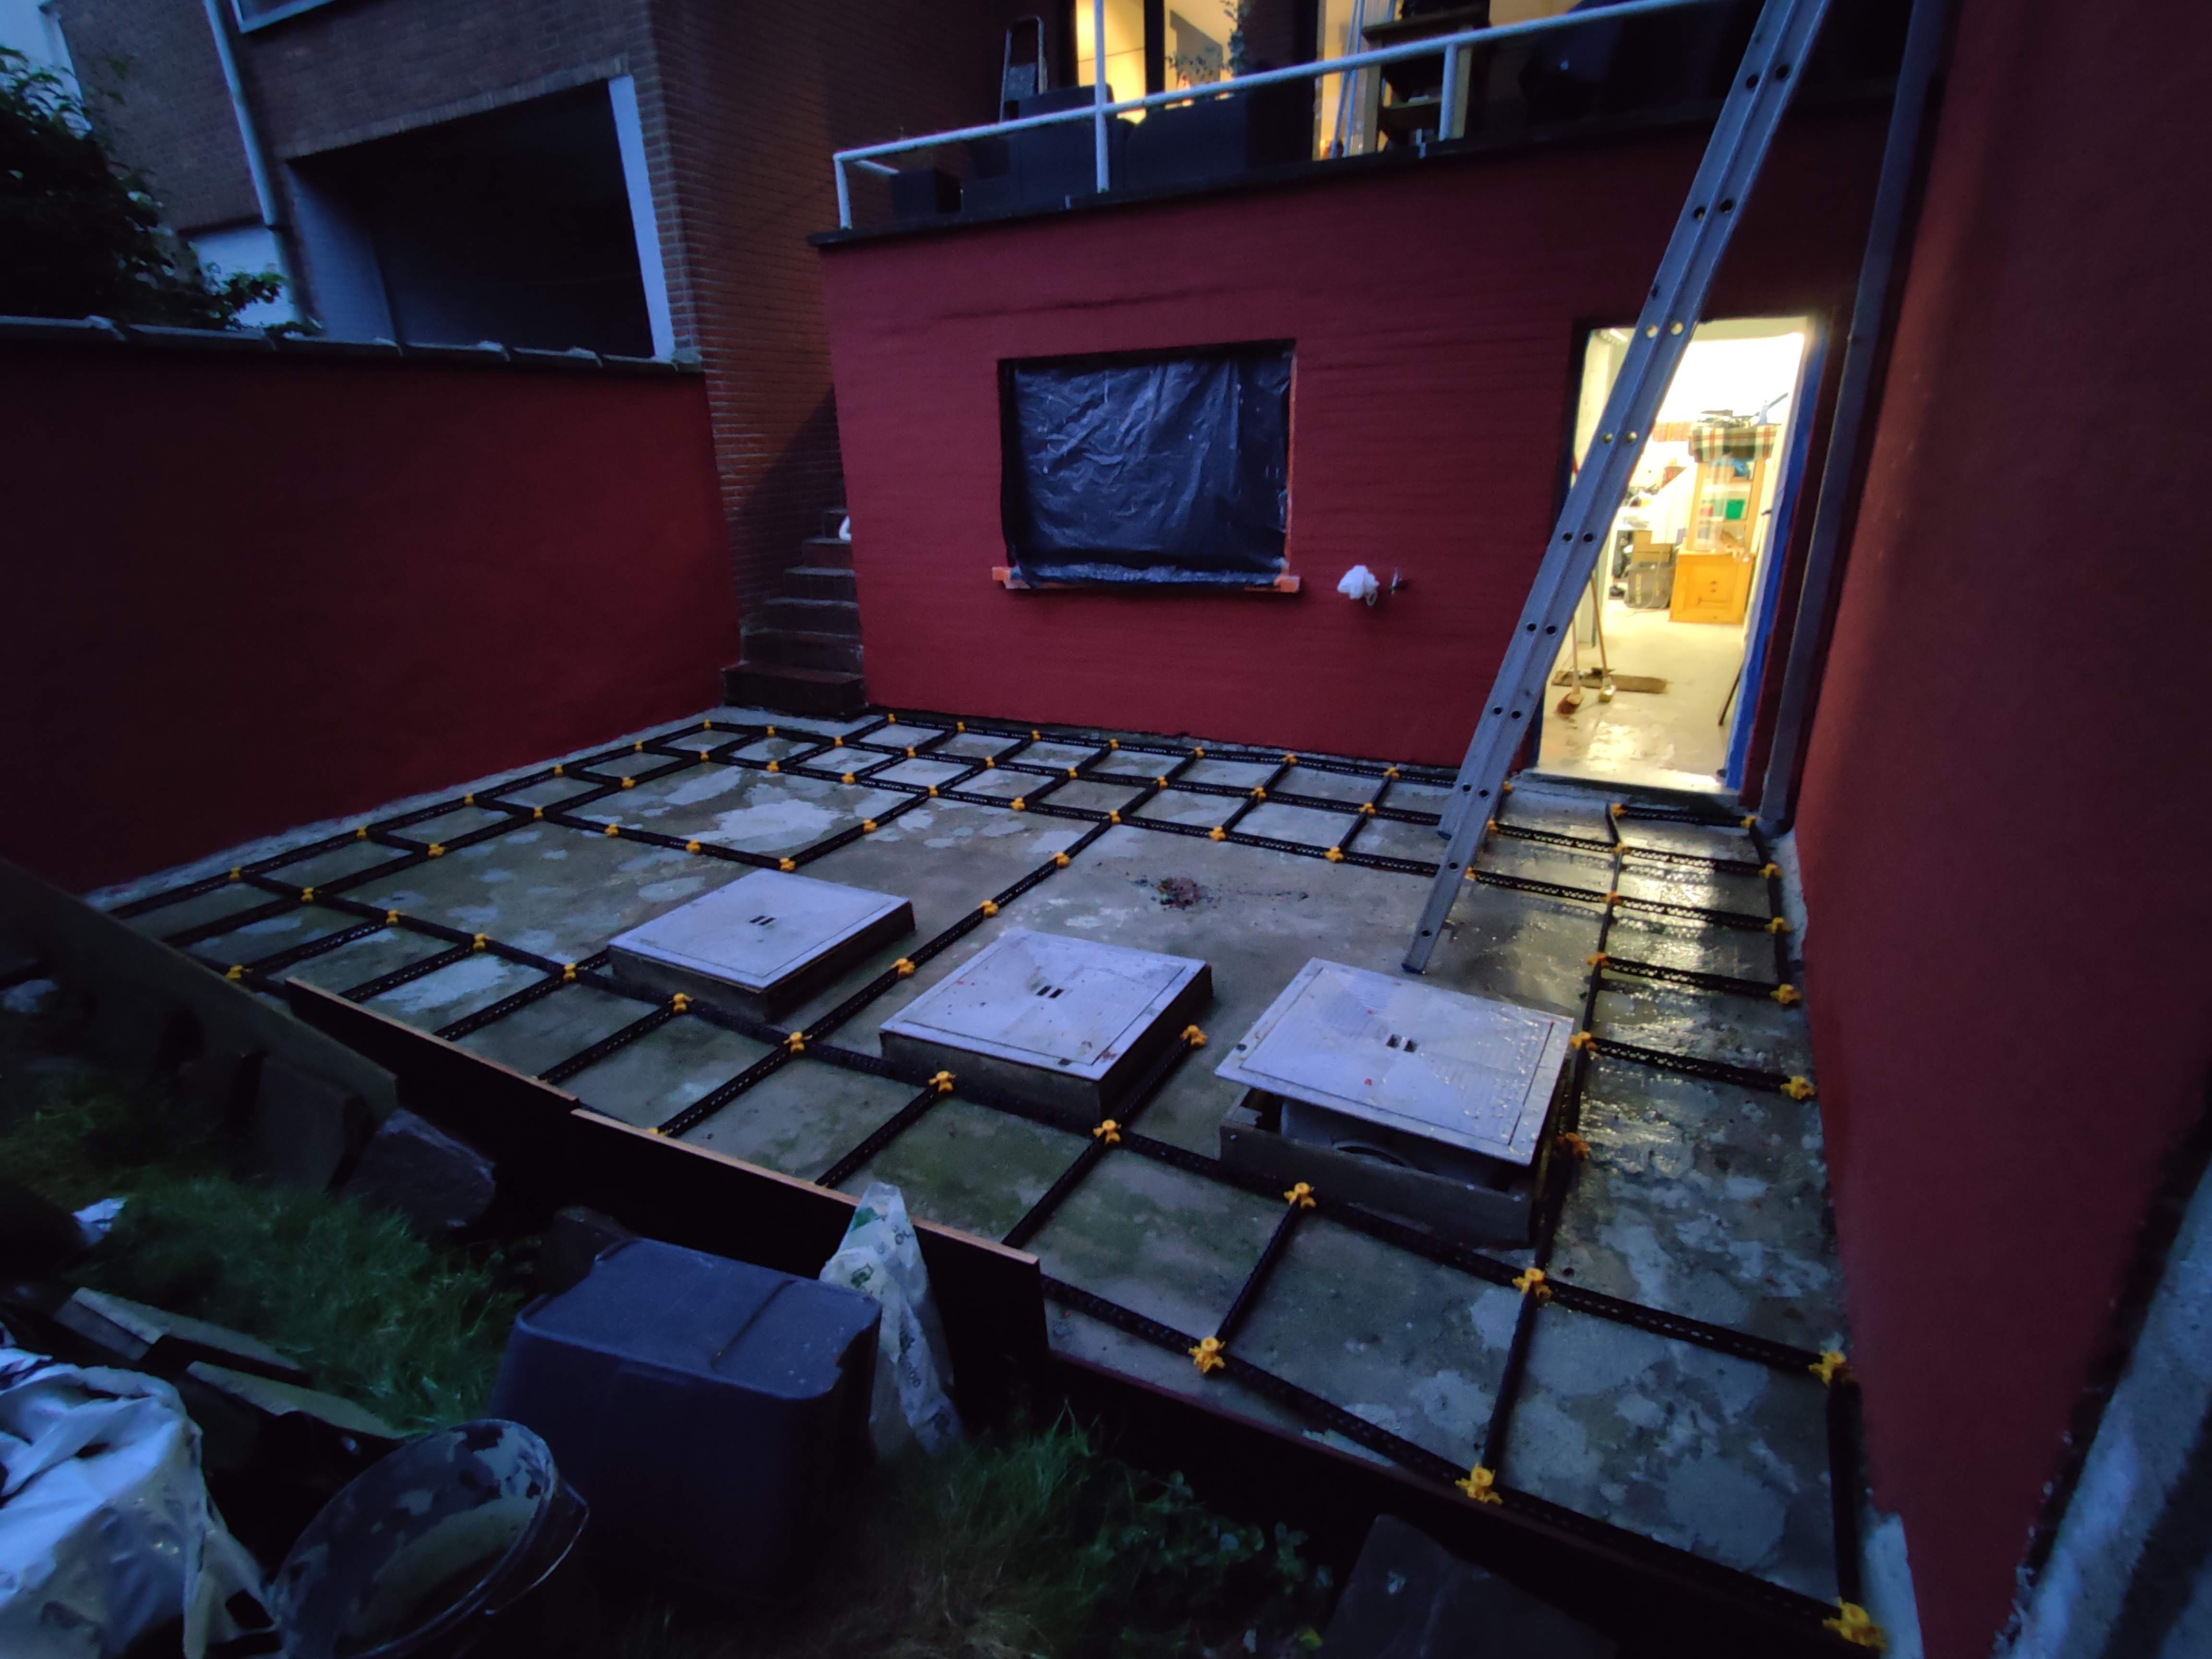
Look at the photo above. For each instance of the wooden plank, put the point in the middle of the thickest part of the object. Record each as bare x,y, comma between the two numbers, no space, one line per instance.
992,1297
519,1123
89,949
1013,582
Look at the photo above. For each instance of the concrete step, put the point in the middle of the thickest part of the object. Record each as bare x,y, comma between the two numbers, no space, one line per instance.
793,690
789,647
812,582
806,617
826,551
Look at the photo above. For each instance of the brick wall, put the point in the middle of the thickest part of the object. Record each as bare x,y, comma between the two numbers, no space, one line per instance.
1432,395
741,107
351,72
298,638
751,103
155,86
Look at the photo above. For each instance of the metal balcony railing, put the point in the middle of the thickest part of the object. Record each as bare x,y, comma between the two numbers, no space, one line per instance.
1450,116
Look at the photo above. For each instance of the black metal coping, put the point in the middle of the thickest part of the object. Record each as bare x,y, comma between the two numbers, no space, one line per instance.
241,342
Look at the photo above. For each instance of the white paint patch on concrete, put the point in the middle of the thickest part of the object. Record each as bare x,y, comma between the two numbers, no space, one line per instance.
663,892
772,824
1642,1411
1888,1573
1726,1509
1591,1356
1737,1384
554,853
494,876
1545,1439
1457,1405
1493,1318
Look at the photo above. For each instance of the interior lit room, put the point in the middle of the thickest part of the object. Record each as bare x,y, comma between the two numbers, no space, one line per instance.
1649,689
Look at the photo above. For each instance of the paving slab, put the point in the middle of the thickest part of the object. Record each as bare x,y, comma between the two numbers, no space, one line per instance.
1718,1456
1702,1199
649,1081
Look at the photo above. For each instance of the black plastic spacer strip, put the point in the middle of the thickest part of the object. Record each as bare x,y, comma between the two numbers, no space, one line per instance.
1034,1218
900,1121
1695,978
500,1009
207,930
1845,1486
607,1045
1713,1070
708,1104
407,975
1247,1293
278,960
1508,1385
1721,1338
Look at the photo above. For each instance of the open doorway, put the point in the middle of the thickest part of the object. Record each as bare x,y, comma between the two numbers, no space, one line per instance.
1657,682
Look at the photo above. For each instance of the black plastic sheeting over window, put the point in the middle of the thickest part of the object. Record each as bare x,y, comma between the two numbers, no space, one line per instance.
1168,467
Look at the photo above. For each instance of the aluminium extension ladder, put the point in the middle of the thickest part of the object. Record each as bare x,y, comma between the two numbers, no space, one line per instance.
1780,42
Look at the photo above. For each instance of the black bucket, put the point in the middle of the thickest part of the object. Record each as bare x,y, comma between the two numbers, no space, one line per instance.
430,1550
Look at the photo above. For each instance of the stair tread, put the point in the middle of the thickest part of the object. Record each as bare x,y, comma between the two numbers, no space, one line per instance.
817,676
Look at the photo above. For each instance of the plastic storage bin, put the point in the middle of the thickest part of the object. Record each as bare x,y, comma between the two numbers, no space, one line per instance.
710,1411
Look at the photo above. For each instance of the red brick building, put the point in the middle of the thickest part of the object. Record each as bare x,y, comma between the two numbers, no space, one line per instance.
635,177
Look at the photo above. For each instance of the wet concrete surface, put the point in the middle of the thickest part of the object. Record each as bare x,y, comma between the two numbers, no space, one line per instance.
1703,1199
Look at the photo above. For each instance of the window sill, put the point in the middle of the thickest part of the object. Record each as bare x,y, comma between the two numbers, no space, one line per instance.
1007,578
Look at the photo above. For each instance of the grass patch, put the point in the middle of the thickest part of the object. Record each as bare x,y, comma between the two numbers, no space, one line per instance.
1019,1545
409,1330
1015,1545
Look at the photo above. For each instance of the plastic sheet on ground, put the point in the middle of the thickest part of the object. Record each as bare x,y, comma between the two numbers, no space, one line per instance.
106,1530
880,1257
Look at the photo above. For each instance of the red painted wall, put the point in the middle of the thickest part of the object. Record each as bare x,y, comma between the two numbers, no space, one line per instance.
244,595
2006,793
1436,310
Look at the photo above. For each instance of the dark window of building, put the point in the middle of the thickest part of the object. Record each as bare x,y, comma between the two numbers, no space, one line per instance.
1162,467
513,226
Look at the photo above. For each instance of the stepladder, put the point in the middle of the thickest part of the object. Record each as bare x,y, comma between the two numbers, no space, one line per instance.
1750,114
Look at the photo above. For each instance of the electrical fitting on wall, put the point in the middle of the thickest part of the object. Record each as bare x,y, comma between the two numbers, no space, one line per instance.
1360,583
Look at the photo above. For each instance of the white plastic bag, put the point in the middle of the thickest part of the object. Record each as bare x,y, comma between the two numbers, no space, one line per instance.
105,1530
879,1256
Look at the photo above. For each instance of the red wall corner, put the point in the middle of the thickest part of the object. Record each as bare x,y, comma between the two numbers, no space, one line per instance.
2007,781
249,594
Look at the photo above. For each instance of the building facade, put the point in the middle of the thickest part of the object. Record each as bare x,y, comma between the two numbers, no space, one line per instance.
632,177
